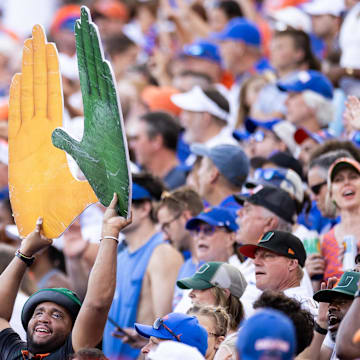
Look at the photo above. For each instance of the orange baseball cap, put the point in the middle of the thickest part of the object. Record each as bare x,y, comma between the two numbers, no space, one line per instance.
111,9
158,98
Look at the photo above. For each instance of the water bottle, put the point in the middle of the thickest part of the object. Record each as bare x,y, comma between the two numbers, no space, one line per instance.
350,247
312,246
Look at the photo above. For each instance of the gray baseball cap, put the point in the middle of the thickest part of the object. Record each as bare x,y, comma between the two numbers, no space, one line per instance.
216,273
231,160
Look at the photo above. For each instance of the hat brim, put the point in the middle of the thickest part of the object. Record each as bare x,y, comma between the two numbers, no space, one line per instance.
328,295
192,223
249,250
342,165
288,88
186,101
148,331
191,283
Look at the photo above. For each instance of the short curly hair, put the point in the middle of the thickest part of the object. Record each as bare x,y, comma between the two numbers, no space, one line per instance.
302,319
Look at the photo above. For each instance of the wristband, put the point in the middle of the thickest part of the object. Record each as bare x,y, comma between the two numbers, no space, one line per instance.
319,329
110,237
26,259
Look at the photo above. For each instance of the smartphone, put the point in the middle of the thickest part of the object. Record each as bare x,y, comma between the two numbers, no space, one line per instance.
119,328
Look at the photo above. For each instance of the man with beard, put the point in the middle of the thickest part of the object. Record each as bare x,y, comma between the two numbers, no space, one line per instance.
339,300
56,322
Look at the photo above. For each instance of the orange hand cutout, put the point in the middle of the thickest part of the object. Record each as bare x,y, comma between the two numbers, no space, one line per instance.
40,182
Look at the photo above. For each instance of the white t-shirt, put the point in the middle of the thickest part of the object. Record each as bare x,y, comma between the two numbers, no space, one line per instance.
252,293
15,321
349,39
307,302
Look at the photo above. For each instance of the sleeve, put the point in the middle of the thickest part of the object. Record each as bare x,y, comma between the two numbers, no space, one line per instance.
330,252
10,344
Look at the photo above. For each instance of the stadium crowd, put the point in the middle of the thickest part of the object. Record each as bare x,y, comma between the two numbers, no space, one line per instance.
243,124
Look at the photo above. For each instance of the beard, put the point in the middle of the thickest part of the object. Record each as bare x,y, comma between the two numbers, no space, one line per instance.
52,344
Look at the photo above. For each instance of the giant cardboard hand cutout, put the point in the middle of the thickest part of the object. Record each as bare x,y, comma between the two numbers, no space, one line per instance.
102,153
40,181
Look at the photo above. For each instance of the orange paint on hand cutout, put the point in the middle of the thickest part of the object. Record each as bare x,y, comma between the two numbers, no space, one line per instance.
40,182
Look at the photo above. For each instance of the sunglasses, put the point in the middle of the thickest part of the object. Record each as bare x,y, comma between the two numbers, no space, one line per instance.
160,322
317,188
268,174
207,230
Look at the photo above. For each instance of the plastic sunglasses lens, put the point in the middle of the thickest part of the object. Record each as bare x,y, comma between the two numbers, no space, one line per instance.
157,323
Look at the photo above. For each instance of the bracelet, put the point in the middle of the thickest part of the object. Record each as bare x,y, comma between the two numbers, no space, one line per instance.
320,329
26,259
110,237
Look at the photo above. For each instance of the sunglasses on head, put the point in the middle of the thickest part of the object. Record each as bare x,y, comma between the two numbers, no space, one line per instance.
160,322
317,188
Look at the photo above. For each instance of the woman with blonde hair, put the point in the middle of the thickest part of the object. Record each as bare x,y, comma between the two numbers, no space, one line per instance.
344,193
219,284
216,322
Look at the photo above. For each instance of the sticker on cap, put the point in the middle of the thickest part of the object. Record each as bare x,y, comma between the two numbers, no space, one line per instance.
203,269
348,280
304,76
267,237
291,251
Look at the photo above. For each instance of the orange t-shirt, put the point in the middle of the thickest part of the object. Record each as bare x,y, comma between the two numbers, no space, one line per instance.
330,251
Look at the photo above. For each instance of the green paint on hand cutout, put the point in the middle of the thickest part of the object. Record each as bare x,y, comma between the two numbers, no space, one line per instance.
102,154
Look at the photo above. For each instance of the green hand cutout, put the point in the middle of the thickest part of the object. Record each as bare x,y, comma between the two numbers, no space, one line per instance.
102,154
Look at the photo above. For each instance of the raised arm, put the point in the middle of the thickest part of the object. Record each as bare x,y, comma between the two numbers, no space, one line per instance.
345,348
163,268
89,325
11,278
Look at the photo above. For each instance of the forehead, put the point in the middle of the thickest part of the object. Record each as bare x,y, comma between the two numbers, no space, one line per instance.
262,251
164,212
341,299
51,306
344,169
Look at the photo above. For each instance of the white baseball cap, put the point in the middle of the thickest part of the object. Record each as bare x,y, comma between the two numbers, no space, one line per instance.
172,350
197,101
324,7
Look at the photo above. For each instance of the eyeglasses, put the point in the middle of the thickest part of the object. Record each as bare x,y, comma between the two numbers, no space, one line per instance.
206,229
316,188
160,322
165,226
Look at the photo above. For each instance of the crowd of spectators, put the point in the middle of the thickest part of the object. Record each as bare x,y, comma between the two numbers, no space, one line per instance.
242,119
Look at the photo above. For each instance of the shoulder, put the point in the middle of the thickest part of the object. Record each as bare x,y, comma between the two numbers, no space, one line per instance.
10,344
164,254
166,249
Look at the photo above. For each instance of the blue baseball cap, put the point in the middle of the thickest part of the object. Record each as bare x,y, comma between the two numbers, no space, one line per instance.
178,327
251,124
216,216
204,50
140,193
240,135
309,80
267,333
240,29
231,161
